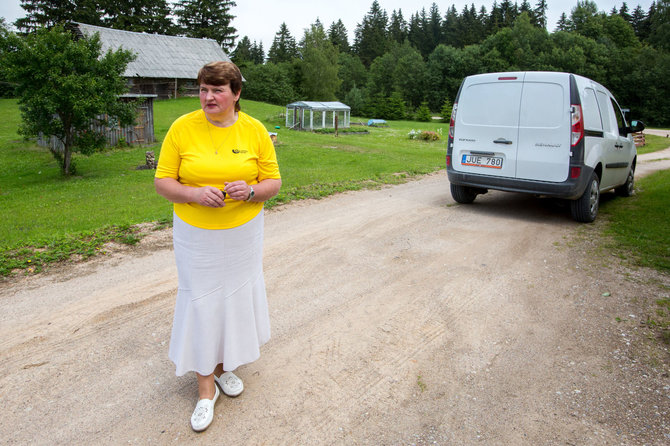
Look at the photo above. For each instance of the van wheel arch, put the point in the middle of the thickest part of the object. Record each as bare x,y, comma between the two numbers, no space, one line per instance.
627,189
585,208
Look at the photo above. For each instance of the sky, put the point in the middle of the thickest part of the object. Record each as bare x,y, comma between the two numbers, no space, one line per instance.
260,19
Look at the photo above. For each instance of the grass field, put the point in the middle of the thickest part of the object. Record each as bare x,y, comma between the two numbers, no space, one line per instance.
49,217
54,214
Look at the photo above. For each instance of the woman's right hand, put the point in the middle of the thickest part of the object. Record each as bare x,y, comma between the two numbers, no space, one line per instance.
209,196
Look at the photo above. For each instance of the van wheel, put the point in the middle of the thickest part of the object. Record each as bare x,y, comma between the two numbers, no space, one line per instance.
463,194
627,188
585,208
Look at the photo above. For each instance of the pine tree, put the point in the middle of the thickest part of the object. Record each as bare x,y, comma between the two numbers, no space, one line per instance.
496,20
242,54
509,13
284,47
419,34
337,33
397,28
43,13
149,16
659,32
638,19
257,53
371,40
423,113
540,14
623,12
450,28
469,28
563,23
525,7
48,13
207,18
482,18
434,30
445,111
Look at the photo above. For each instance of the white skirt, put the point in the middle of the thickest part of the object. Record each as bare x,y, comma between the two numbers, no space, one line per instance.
221,314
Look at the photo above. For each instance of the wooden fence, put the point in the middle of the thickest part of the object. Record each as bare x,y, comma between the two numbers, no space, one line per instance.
141,132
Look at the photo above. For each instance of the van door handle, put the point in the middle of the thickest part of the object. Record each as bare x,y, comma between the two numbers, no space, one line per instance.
502,141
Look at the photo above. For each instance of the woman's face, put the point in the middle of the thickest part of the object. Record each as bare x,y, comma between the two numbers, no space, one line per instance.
217,99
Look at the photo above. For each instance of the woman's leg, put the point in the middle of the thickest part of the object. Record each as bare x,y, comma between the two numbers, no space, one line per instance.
206,385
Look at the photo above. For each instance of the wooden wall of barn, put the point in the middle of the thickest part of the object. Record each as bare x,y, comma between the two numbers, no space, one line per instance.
163,88
141,132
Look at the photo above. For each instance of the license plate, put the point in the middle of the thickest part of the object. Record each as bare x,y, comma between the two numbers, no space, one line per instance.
493,162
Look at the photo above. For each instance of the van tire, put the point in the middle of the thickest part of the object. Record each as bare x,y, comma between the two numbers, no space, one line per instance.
585,208
463,194
627,188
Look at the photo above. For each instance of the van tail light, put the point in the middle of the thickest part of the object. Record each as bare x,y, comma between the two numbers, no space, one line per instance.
448,160
577,128
452,121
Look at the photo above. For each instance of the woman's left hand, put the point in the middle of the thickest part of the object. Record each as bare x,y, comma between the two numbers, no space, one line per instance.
238,190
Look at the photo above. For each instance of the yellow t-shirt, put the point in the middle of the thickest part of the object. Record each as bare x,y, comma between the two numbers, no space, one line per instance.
197,153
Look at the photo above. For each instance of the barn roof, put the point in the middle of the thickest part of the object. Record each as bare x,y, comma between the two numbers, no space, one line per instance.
158,56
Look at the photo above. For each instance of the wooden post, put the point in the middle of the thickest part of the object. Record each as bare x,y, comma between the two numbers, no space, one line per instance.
336,121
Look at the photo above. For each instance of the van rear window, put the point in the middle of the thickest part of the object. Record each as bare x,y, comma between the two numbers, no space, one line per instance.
542,105
591,111
491,104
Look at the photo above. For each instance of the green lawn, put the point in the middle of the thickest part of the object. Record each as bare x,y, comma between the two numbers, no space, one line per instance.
639,225
654,143
48,212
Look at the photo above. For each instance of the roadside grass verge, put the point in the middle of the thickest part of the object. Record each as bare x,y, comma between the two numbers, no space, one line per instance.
51,218
636,231
654,143
638,225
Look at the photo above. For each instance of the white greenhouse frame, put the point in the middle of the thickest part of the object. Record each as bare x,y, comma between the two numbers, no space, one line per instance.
317,115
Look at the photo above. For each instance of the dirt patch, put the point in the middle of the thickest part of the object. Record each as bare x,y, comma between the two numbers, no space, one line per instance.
398,317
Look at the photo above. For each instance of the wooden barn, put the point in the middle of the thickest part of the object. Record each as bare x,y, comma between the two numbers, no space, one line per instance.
166,66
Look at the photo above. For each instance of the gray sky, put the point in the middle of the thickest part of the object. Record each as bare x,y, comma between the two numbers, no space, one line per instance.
260,19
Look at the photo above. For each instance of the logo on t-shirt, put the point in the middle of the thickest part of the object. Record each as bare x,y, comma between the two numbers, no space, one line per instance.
236,151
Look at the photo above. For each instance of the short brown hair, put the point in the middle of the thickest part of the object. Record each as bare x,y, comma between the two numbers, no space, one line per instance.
222,73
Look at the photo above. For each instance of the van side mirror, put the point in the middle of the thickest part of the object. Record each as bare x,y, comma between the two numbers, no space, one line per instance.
636,126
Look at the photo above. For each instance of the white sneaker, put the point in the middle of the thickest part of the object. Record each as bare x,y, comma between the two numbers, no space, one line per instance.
229,383
204,412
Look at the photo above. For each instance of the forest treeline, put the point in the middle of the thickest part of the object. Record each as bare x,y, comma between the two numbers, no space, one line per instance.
400,66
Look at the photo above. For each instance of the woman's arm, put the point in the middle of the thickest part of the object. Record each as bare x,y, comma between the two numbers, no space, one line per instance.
263,191
176,192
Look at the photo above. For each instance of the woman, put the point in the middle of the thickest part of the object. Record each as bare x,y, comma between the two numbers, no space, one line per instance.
218,165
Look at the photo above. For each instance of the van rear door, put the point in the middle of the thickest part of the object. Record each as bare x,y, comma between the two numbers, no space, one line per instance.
487,124
544,127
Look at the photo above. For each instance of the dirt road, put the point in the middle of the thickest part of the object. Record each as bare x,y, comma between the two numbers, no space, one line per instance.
398,318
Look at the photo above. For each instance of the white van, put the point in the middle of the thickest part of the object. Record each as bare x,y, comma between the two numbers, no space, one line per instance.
545,133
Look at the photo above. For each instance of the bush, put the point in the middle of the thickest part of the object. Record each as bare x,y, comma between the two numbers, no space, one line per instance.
89,141
425,135
423,113
445,111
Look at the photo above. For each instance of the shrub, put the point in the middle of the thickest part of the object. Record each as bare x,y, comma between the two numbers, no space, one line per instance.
425,135
423,113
